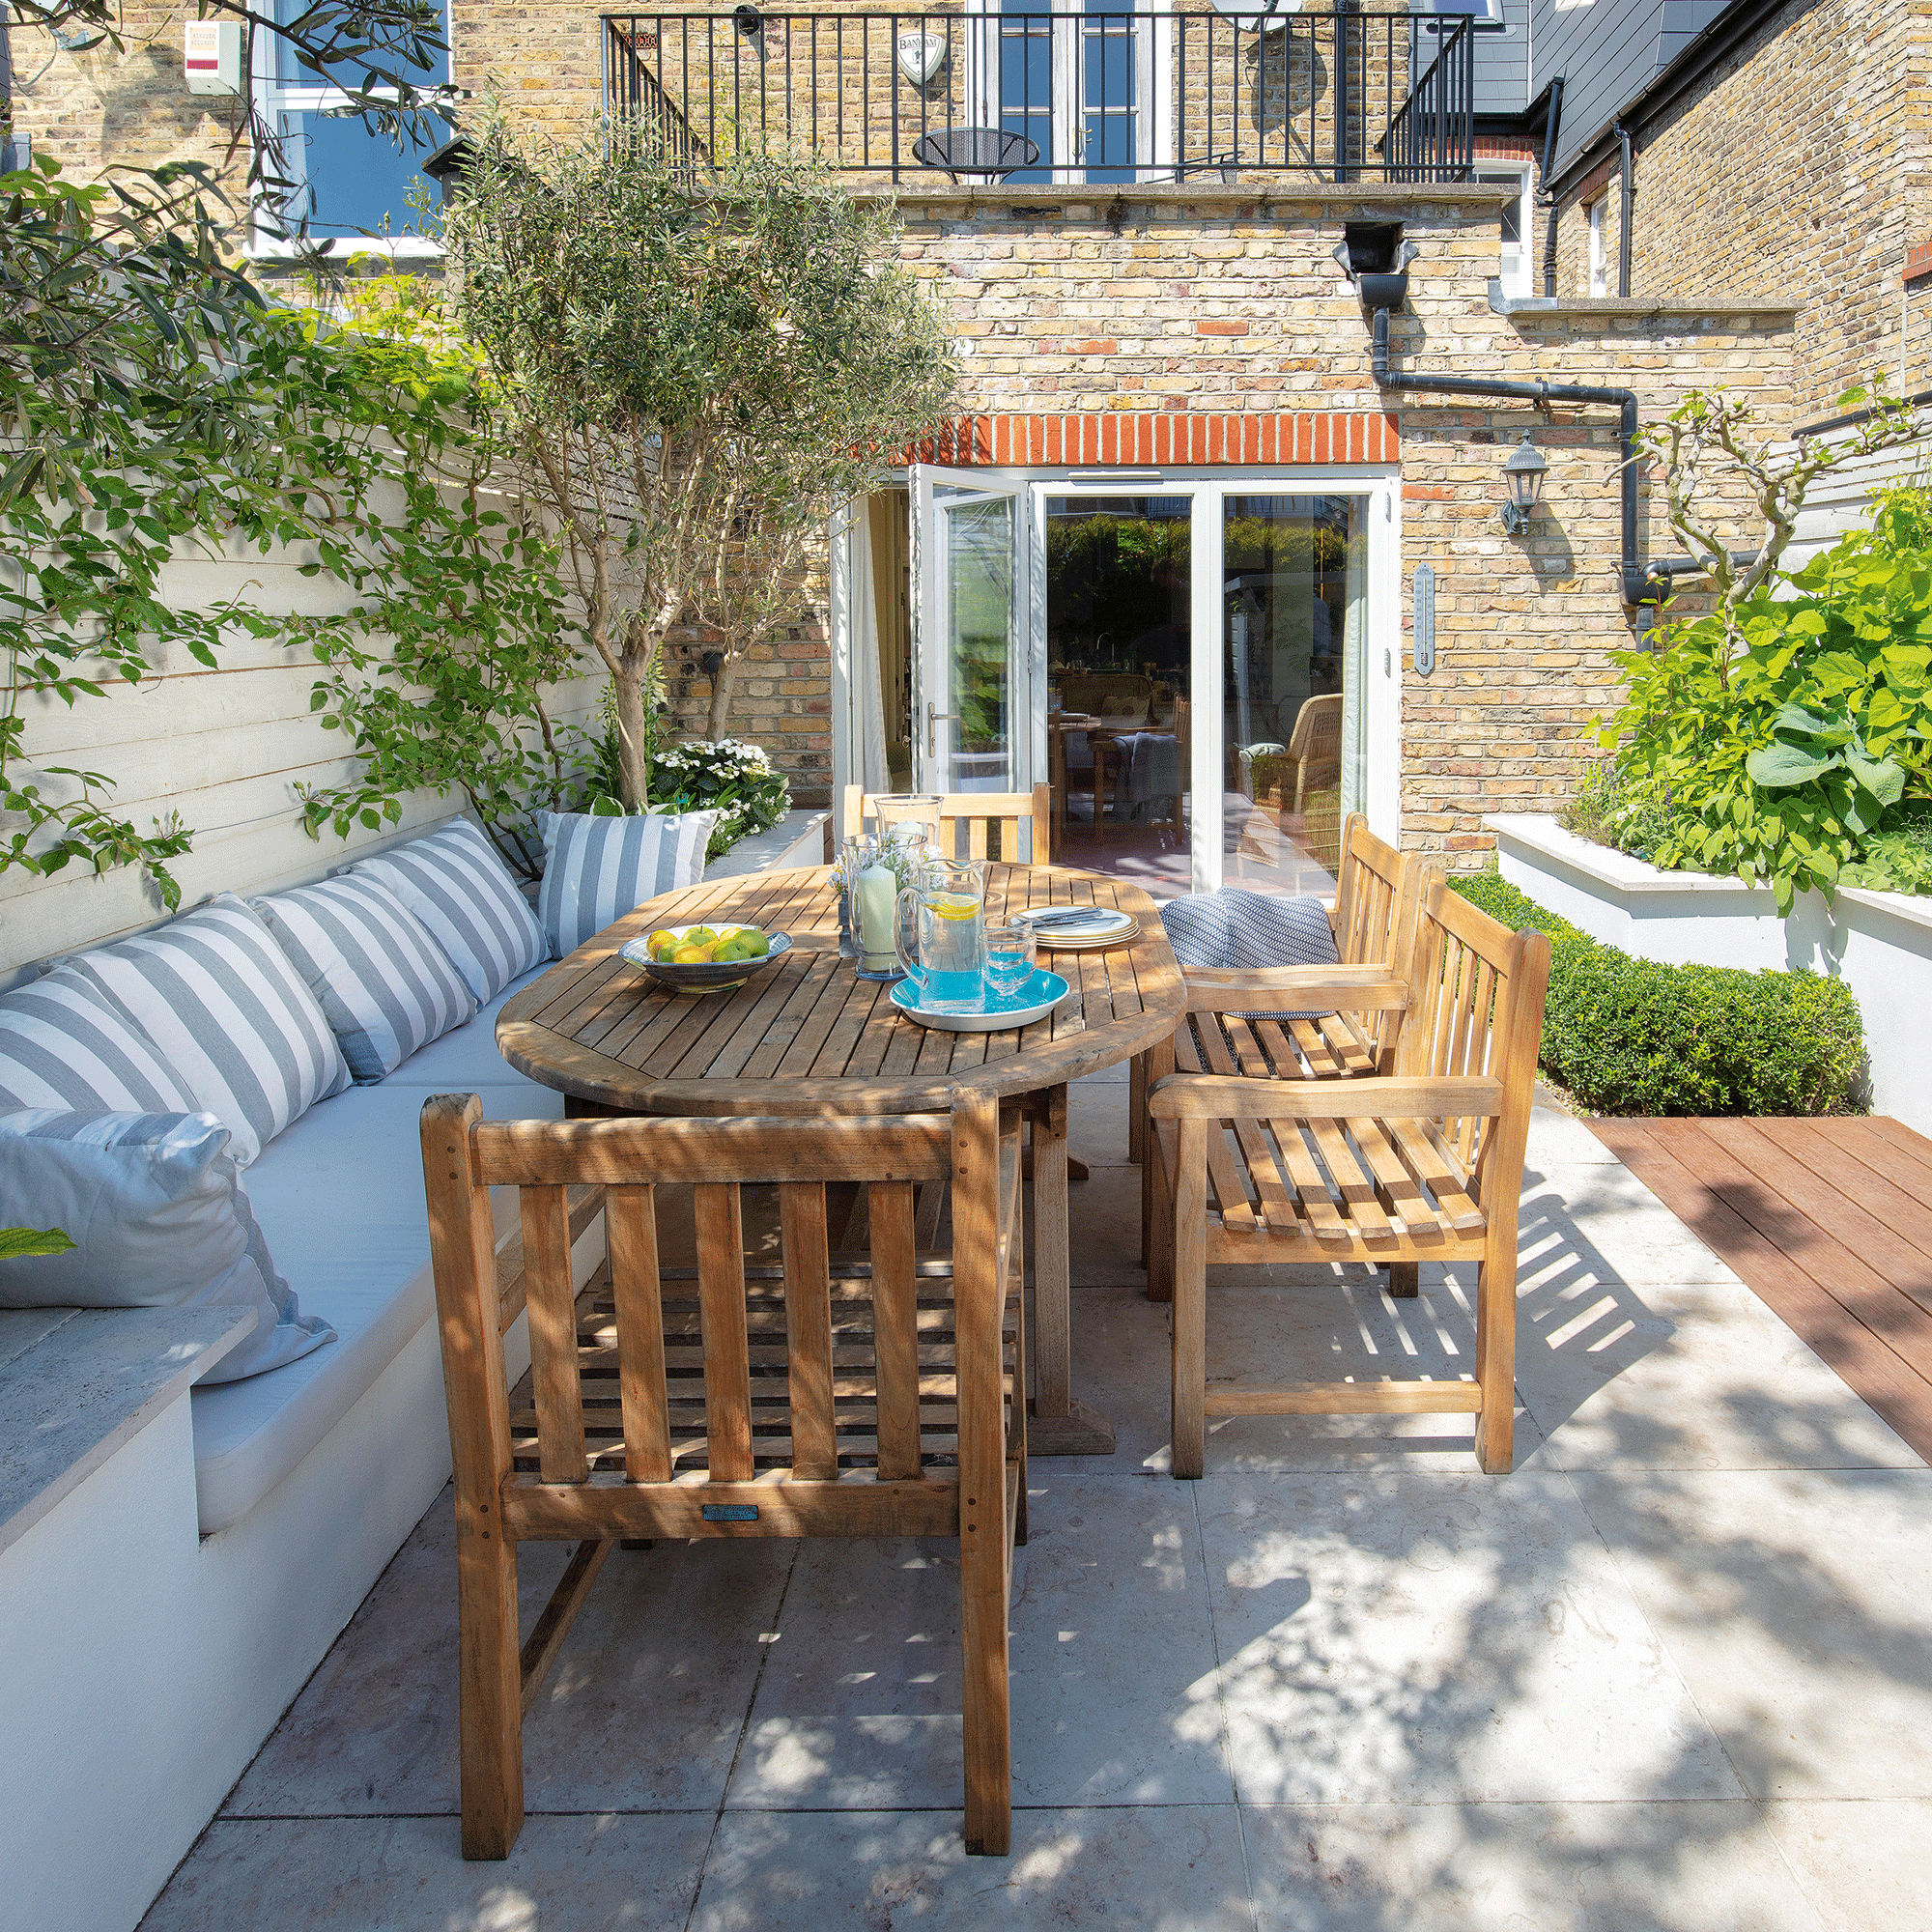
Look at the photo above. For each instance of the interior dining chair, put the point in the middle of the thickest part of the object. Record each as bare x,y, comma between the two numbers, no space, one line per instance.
965,824
1420,1164
874,1397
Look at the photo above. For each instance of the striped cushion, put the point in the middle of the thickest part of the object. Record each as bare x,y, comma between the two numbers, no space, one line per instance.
386,986
457,885
65,1043
597,869
216,993
158,1219
1235,930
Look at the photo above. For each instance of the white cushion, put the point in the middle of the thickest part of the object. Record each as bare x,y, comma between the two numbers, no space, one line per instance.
384,985
64,1042
341,1197
220,999
157,1213
455,883
597,869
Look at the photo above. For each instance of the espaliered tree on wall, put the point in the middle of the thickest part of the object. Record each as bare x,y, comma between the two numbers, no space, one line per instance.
698,367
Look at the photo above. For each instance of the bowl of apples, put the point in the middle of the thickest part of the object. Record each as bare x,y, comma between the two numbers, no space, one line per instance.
705,958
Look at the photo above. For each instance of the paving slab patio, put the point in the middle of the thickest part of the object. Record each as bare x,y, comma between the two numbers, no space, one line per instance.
1672,1675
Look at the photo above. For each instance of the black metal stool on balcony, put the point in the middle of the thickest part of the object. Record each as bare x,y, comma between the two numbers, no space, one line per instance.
991,154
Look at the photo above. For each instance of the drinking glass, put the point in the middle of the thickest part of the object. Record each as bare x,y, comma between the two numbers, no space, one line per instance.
1009,956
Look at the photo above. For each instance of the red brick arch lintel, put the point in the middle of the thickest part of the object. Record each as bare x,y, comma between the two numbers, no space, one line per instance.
1168,437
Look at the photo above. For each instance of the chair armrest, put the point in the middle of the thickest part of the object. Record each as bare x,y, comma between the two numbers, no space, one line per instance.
1359,989
1222,1097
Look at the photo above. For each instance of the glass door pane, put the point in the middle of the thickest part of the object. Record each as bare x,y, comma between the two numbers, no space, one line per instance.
969,648
1294,638
1119,631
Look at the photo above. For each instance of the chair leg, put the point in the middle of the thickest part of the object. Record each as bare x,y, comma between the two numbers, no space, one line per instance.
1189,1422
1158,1219
1404,1280
491,1690
986,1572
1137,1111
1495,1356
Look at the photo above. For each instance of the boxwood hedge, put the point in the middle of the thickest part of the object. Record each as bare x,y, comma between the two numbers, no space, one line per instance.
1628,1035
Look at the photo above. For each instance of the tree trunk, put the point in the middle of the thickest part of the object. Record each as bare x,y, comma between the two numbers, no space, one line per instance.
722,684
634,767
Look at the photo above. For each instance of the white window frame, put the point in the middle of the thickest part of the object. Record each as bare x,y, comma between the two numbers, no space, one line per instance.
1153,88
274,97
1520,281
1488,16
1600,260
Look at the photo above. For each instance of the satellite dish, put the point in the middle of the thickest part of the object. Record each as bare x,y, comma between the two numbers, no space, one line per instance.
1257,16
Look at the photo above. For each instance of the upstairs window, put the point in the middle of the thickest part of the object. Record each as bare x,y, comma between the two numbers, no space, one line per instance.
1600,266
350,181
1488,14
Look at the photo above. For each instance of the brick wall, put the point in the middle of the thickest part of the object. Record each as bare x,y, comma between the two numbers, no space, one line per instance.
1797,171
1167,302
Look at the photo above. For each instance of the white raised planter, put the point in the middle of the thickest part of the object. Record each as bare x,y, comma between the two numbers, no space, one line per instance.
1879,944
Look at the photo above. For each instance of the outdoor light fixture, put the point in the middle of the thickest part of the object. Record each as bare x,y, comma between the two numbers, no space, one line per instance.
1524,472
748,21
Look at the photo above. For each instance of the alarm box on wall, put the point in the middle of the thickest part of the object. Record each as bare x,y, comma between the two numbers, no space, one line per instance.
212,55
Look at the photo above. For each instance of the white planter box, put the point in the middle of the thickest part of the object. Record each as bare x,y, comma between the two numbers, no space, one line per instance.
1880,943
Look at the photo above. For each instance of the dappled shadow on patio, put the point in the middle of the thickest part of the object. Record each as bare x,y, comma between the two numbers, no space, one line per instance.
1675,1673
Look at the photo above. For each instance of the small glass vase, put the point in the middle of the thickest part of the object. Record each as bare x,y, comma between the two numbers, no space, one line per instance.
872,884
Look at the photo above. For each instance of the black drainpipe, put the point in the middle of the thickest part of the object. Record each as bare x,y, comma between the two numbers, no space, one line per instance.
1550,120
1639,585
1626,194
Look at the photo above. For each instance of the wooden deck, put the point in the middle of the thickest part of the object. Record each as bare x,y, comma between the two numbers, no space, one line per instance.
1828,1220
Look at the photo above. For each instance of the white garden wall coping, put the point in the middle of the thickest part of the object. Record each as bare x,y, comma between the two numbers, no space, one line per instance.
1880,943
798,838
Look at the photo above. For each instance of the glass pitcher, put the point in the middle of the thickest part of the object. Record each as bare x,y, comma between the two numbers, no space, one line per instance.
944,908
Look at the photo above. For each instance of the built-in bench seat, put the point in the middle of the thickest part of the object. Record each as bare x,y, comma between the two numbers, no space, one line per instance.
340,1197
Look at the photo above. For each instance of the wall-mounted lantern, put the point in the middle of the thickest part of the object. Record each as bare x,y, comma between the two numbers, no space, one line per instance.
1524,472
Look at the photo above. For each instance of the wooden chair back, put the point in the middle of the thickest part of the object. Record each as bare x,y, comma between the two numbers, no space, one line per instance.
1012,826
1475,1014
870,1398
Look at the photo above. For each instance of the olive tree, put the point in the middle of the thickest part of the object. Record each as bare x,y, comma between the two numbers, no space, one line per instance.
699,367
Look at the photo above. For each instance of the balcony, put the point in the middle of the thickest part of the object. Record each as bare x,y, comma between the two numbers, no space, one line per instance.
1056,98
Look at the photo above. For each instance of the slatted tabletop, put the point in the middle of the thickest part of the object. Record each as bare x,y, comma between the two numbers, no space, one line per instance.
807,1035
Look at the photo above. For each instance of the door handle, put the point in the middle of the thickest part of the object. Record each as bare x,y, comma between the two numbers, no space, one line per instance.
934,717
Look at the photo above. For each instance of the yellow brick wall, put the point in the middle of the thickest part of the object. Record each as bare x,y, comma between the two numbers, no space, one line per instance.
1796,171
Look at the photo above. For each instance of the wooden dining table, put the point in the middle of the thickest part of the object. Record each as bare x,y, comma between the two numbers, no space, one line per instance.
807,1035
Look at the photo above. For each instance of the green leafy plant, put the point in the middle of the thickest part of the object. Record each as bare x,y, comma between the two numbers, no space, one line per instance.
1640,1036
698,367
16,1243
1770,739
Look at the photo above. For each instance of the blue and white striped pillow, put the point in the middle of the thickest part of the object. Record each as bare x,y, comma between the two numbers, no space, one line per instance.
386,986
219,997
597,869
159,1219
63,1042
454,882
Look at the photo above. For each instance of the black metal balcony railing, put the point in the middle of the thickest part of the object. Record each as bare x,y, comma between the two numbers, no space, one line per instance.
1054,97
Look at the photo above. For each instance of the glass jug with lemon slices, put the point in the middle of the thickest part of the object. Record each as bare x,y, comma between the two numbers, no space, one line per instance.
946,909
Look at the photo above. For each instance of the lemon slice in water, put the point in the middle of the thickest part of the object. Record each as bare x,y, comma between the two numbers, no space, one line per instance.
954,905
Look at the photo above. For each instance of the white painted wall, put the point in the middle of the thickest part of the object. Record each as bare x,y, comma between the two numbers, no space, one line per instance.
225,748
1839,499
1879,944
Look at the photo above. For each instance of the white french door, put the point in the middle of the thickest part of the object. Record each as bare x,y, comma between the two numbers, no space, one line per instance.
973,625
1232,640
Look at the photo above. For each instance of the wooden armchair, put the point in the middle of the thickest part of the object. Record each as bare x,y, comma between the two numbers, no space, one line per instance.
871,1399
1374,920
1424,1163
978,811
